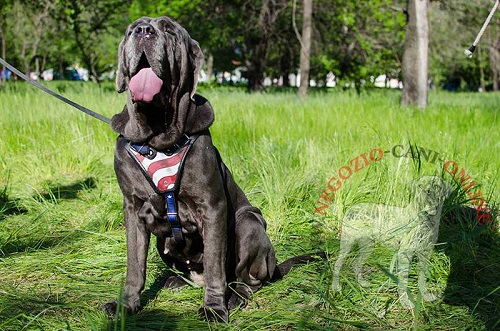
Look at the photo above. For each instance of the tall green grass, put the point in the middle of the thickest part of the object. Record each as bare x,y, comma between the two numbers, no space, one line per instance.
62,243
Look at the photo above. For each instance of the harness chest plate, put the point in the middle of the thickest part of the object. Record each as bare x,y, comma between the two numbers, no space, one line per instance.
162,169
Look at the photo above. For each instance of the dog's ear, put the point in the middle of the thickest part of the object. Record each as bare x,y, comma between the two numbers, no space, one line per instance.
121,74
196,58
119,121
199,117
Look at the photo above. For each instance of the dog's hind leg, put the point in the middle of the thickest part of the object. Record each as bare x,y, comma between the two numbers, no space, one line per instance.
256,259
366,246
345,247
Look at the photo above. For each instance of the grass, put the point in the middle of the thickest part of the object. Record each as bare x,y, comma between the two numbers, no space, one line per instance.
62,242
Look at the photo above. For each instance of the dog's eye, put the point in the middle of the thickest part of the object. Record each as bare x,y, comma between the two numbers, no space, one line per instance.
168,30
166,27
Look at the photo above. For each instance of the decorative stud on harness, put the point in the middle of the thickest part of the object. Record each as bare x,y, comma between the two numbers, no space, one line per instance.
163,170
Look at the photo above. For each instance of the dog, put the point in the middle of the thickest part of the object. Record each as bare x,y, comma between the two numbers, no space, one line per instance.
210,232
414,229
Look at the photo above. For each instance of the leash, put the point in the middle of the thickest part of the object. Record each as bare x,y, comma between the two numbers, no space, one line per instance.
54,94
468,52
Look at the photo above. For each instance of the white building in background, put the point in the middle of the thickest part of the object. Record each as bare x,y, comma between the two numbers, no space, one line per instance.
383,81
294,80
331,80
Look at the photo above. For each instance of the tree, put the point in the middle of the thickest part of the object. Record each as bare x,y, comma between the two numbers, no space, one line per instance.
305,48
3,42
25,29
33,21
357,40
448,66
494,53
284,51
95,24
257,38
415,57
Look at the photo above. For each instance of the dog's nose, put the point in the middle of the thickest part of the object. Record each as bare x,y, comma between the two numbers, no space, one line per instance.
144,30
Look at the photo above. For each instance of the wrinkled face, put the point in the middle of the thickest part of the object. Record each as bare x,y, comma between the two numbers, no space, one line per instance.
155,57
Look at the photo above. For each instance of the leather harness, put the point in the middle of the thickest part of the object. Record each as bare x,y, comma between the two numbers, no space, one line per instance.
163,170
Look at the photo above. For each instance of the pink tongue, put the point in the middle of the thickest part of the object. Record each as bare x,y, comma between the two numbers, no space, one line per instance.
145,85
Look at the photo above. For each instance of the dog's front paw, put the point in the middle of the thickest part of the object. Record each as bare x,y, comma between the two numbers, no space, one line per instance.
362,281
236,300
335,284
405,301
429,296
110,308
213,315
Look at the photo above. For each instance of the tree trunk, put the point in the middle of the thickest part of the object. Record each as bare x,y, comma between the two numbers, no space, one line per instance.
495,67
210,67
482,82
256,66
2,68
24,57
415,57
285,66
305,48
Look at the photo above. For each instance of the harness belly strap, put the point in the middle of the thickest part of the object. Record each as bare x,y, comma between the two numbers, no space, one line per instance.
172,217
163,170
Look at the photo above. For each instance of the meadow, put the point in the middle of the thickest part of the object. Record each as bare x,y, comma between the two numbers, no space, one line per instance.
62,239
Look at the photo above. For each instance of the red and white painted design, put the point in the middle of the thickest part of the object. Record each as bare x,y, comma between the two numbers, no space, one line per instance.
163,169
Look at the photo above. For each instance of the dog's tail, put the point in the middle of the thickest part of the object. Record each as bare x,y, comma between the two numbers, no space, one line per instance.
283,268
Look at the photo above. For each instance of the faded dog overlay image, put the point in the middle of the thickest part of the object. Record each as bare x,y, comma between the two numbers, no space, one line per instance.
396,214
412,230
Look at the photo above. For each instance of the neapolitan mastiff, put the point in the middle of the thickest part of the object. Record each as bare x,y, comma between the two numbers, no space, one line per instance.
413,230
174,183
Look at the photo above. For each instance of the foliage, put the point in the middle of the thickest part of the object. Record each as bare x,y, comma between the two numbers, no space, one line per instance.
94,24
448,64
355,40
57,34
360,39
62,242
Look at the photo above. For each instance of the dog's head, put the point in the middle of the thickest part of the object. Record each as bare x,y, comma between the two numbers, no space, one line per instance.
430,193
158,63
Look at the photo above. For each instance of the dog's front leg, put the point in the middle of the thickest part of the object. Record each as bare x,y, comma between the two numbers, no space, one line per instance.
404,260
137,249
214,264
137,252
423,258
